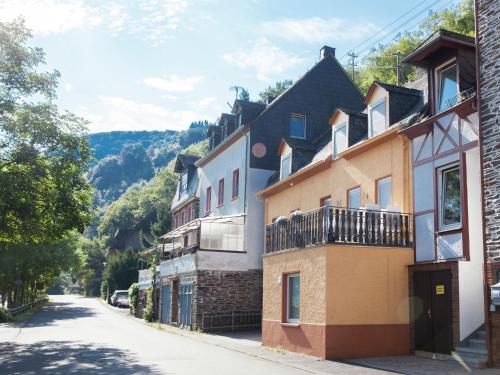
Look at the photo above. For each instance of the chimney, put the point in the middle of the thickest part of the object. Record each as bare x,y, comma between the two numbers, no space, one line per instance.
325,51
269,99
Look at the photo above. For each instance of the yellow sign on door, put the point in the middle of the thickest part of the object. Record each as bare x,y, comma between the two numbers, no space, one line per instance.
439,289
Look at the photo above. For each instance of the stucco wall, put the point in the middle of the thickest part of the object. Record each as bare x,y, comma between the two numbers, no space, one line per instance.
311,264
367,285
471,273
342,285
388,158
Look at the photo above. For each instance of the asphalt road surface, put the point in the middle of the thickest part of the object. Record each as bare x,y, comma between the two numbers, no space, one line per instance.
75,335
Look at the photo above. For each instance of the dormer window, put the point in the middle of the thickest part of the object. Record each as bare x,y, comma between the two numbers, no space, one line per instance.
298,126
339,139
377,118
238,120
286,166
183,183
447,86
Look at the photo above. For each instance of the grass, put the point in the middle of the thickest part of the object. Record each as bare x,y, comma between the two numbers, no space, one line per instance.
6,317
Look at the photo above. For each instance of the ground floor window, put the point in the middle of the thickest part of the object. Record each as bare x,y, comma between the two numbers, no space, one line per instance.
293,298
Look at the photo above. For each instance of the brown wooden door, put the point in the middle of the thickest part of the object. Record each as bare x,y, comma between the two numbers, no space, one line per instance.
432,311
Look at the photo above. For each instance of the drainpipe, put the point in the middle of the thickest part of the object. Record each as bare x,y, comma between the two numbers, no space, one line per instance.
483,206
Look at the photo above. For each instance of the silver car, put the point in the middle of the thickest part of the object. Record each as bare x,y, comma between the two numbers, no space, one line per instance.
120,298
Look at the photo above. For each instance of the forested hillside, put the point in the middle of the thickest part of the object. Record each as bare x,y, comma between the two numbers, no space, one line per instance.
126,157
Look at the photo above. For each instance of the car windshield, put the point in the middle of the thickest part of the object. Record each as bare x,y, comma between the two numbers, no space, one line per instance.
122,294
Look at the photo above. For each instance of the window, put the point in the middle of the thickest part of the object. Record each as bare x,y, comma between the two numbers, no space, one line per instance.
220,193
450,207
236,183
286,166
208,200
447,87
298,126
354,198
293,298
384,192
325,201
238,120
339,139
184,182
377,118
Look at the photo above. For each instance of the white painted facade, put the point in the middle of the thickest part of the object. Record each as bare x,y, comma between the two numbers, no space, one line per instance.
450,138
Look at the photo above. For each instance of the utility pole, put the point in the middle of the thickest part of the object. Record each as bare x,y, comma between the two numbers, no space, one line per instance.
353,57
397,54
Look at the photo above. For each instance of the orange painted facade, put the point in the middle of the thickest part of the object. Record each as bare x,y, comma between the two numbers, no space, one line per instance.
354,300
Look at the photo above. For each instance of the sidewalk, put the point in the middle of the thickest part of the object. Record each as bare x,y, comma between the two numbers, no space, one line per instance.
249,343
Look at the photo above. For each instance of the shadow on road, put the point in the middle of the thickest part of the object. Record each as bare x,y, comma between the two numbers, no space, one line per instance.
57,311
68,357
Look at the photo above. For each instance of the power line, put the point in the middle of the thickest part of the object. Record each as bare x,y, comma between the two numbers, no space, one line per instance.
378,32
397,28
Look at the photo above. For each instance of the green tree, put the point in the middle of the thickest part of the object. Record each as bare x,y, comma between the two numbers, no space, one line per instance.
244,95
379,63
274,91
120,271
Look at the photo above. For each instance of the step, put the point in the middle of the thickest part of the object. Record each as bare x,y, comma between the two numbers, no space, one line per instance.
474,362
480,335
472,352
477,343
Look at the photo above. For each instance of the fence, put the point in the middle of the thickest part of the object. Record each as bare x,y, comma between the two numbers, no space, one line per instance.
22,308
231,321
340,225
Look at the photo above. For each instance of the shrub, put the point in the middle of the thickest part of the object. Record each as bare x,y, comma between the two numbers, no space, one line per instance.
149,314
133,296
5,316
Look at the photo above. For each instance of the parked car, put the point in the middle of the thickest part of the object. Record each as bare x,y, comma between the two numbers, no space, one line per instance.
120,298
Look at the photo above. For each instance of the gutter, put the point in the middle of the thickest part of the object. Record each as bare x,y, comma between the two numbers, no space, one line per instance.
483,206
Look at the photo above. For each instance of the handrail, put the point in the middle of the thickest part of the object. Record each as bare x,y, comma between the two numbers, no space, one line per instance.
22,308
349,226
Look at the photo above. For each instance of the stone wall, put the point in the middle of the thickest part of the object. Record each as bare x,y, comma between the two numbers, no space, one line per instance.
488,21
224,292
489,63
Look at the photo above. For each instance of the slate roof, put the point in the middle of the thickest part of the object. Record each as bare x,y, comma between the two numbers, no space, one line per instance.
399,89
183,161
250,104
296,143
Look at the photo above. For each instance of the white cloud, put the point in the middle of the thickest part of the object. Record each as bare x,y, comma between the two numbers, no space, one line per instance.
318,30
51,16
117,113
152,20
173,83
267,59
170,97
206,102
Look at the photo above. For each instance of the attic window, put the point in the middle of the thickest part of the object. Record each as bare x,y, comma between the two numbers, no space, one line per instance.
377,118
184,182
339,139
238,120
286,165
298,126
447,87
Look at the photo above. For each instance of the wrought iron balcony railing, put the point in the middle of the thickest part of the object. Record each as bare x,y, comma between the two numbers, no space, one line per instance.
328,225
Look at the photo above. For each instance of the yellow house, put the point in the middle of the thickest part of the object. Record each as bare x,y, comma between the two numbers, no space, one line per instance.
339,235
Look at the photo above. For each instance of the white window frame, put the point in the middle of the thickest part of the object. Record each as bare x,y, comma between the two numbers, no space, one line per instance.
239,115
358,189
288,300
305,125
440,175
437,81
378,191
335,130
283,157
370,109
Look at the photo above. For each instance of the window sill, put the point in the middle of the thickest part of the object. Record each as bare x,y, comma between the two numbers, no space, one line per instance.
235,198
291,325
448,231
220,205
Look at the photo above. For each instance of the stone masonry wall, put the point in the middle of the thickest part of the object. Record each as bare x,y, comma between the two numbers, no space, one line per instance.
226,292
488,34
489,62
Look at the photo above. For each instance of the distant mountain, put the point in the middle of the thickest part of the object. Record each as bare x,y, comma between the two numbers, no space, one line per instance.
123,158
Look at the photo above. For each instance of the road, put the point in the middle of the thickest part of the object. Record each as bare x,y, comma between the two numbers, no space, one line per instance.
75,335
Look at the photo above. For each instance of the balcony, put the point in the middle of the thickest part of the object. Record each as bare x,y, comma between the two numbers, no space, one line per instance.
337,225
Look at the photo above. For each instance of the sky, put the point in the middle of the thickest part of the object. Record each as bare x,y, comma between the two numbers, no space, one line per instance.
162,64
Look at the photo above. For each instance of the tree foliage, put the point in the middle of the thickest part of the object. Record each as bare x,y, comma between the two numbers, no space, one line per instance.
379,64
274,91
44,195
120,271
244,94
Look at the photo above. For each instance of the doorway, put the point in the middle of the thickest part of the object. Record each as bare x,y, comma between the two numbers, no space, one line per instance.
433,311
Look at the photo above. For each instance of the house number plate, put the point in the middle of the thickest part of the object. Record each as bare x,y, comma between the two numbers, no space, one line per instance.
439,289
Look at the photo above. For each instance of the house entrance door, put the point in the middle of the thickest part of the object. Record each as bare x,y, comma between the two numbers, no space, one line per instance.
185,304
165,304
432,311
